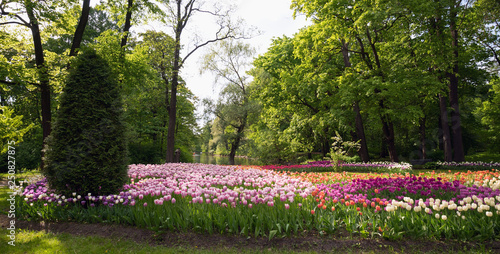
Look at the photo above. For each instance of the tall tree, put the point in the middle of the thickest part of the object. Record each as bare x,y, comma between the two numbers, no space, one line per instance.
38,12
14,15
181,12
80,28
456,122
229,60
367,26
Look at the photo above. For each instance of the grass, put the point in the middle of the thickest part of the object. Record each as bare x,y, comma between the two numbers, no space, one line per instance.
40,242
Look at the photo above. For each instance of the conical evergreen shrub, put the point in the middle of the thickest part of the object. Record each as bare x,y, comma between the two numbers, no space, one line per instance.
86,151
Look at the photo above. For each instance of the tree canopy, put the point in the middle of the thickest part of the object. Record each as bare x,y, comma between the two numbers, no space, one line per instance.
406,80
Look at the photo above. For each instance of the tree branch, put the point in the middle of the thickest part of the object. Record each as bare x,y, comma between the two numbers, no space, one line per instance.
494,52
216,39
16,15
17,83
14,22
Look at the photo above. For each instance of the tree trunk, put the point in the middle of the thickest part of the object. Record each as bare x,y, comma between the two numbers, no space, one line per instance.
236,144
80,29
387,126
172,111
456,128
388,130
234,147
44,78
172,114
128,18
445,129
325,147
360,133
423,150
360,130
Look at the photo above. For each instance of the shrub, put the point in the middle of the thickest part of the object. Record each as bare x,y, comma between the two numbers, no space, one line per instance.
86,151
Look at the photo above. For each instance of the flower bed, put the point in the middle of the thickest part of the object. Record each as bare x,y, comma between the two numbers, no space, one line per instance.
468,165
260,202
330,166
472,166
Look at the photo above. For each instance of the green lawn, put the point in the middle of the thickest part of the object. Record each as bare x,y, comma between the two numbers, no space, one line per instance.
41,242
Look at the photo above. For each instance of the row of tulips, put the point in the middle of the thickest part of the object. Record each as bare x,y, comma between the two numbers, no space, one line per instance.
473,166
327,166
259,202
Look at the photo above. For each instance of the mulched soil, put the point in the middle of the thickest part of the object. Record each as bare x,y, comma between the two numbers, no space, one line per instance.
341,242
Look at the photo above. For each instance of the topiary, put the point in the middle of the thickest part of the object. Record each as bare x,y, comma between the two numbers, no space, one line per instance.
86,151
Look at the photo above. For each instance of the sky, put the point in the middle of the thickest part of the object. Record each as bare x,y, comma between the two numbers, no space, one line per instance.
273,18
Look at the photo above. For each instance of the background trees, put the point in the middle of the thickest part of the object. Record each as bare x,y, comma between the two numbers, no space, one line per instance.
24,76
408,79
180,14
229,60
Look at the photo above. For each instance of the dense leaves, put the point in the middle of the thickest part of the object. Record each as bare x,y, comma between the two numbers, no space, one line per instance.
86,152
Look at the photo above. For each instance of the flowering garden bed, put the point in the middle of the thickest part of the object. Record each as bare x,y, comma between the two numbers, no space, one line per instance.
330,166
472,166
259,202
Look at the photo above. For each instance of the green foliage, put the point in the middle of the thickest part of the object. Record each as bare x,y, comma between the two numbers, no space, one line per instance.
99,21
341,150
86,152
486,157
227,60
28,154
11,128
186,155
145,153
490,116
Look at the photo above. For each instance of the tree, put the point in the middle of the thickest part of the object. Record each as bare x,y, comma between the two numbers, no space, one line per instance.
37,12
99,21
367,27
160,49
490,116
86,152
180,14
228,60
131,12
299,90
145,74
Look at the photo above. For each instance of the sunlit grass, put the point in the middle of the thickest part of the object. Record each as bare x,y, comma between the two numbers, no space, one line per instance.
41,242
4,204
